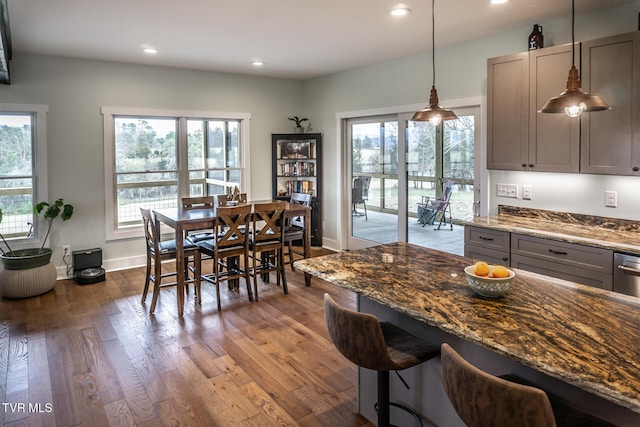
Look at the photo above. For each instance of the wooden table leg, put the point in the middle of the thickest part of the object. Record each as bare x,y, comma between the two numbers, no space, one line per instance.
180,267
307,242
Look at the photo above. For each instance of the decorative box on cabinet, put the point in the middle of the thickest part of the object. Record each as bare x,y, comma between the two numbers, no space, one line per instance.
297,168
611,139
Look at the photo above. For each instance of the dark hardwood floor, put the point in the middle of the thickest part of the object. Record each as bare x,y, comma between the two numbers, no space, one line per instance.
93,356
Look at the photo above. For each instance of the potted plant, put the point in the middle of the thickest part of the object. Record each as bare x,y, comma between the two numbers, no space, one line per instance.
298,121
29,272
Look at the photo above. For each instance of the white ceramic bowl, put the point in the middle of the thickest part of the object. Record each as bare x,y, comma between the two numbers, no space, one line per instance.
491,287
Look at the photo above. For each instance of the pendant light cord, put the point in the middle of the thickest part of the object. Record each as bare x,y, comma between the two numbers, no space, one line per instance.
433,39
573,33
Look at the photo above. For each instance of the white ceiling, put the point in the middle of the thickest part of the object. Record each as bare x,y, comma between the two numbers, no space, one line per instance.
295,38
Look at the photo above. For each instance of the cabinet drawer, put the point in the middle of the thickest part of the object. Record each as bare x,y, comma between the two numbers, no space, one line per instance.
562,271
490,256
490,239
572,255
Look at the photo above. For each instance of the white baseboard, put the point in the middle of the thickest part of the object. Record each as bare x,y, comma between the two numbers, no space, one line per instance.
112,265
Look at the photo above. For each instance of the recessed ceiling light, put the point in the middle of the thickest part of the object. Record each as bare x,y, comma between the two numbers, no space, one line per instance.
498,1
150,50
257,63
400,10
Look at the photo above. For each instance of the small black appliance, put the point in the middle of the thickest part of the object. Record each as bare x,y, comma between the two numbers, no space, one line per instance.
87,266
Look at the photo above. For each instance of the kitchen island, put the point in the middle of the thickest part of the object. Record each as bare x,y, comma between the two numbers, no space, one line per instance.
585,337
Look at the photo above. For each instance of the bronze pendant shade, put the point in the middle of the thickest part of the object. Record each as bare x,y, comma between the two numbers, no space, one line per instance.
433,113
574,101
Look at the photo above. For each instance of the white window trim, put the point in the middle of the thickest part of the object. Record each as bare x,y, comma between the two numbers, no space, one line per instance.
108,113
41,190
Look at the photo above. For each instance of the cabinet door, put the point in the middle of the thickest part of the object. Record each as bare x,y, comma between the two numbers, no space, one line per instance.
481,253
508,112
554,139
611,139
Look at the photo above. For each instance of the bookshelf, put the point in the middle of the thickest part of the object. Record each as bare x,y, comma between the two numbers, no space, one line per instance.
297,168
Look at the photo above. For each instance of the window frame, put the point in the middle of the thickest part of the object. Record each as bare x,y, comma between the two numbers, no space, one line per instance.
40,190
181,116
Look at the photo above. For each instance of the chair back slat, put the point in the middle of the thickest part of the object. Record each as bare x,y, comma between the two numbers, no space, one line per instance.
150,231
301,199
222,199
267,221
231,226
203,202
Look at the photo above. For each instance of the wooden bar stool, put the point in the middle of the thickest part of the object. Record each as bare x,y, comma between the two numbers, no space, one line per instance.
484,400
379,346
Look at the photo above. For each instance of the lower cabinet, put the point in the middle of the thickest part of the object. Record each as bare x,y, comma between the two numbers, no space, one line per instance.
569,261
487,245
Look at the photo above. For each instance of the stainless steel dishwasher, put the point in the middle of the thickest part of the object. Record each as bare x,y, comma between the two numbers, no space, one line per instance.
626,274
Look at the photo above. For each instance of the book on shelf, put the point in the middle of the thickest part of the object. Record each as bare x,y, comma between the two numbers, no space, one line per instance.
303,186
298,169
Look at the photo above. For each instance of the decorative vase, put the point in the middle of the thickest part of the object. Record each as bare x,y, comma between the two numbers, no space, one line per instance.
27,274
536,39
298,129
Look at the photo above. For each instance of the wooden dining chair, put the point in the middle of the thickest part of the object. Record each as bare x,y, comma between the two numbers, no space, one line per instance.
294,228
266,244
227,247
158,251
201,202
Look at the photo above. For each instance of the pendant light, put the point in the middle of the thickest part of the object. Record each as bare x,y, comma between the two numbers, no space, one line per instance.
433,112
574,101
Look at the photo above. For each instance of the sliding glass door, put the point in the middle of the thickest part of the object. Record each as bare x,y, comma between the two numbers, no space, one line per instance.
373,149
394,164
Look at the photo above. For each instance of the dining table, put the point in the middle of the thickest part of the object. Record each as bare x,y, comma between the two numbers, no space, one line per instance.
184,220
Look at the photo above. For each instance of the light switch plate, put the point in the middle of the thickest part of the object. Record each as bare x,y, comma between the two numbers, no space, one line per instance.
508,190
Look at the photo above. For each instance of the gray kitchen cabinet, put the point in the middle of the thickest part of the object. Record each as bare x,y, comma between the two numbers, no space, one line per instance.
518,137
554,139
576,263
508,112
569,261
611,139
487,245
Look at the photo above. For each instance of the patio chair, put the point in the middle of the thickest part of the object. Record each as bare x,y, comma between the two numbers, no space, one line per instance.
435,209
360,194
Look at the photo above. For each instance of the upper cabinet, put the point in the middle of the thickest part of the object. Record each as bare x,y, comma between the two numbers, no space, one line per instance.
508,112
605,142
611,139
554,139
518,137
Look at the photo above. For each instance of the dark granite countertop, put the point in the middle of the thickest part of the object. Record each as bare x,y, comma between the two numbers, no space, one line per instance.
602,232
582,335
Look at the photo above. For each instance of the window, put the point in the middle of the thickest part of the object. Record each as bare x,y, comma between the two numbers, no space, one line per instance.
22,160
153,159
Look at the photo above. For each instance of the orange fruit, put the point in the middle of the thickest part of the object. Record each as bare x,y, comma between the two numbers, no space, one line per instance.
481,268
500,271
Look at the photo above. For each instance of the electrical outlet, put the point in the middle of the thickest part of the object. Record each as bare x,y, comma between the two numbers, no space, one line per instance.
526,192
611,199
66,250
